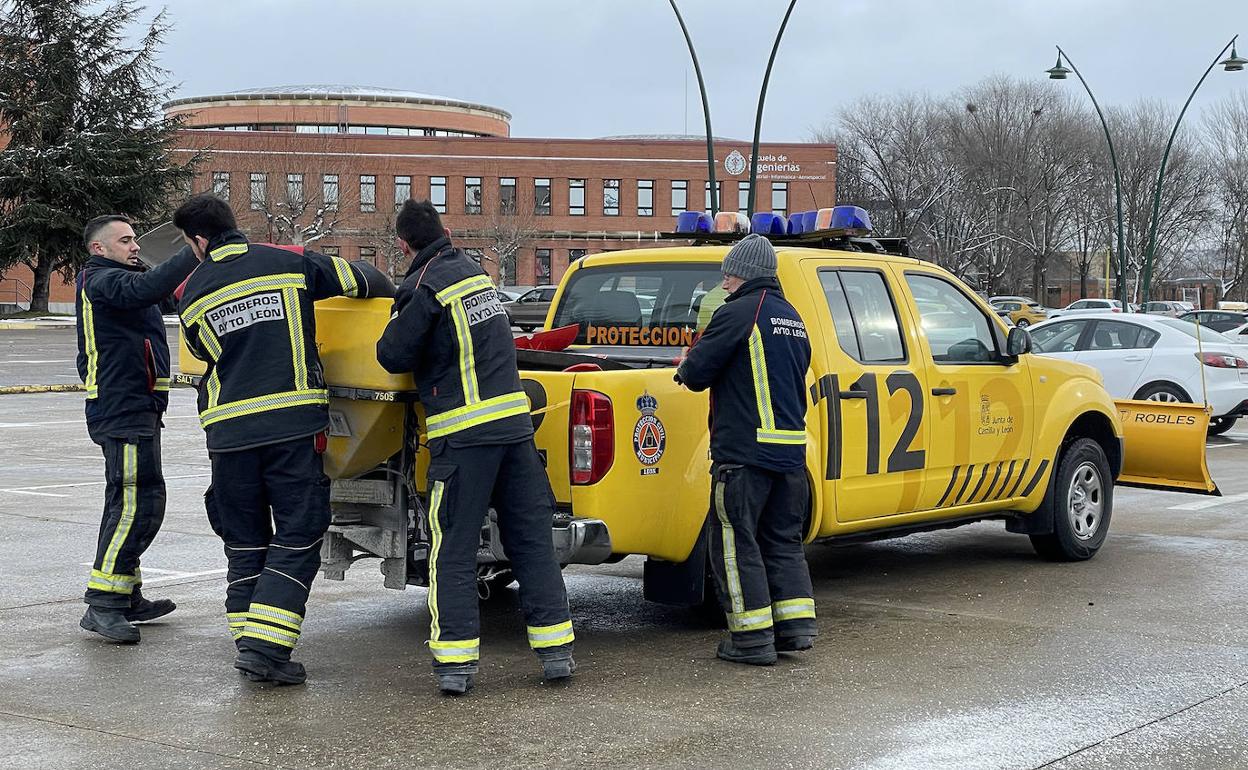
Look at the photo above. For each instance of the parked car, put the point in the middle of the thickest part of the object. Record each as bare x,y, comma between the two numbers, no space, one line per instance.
529,311
1154,358
1217,320
1088,306
1167,308
1020,312
508,294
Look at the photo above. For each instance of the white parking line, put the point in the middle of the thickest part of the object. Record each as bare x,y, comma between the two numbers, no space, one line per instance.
1213,502
79,422
31,490
168,574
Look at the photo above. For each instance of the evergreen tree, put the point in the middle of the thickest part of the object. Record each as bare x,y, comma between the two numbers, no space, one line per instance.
81,112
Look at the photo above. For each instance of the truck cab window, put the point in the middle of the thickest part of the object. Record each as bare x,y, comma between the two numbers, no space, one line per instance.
863,315
957,331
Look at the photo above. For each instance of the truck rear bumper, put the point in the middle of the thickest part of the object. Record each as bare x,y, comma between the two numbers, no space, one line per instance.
576,541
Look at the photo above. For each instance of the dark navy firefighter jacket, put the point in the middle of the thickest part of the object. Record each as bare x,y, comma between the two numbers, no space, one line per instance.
753,356
123,354
247,311
449,329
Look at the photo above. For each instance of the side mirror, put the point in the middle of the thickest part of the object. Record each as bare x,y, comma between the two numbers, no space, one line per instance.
1018,342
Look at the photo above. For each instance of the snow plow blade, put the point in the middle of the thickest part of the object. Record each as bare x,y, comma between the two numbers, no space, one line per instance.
1163,447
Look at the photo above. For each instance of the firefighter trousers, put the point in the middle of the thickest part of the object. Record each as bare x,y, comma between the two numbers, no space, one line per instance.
464,483
270,506
760,569
134,507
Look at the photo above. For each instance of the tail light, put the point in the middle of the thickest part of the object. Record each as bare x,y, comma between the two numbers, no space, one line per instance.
591,436
1222,360
1115,310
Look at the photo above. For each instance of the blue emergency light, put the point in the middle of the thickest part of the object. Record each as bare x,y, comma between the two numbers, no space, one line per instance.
850,218
766,223
693,222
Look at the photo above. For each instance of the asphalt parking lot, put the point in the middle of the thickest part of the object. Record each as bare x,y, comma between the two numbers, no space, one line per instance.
954,649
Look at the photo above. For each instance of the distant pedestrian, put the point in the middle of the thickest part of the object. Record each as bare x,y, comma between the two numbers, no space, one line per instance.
753,356
123,359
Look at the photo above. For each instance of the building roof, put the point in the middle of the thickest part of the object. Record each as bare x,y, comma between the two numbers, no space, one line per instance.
335,92
665,138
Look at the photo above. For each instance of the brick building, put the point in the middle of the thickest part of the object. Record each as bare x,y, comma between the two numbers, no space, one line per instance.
326,166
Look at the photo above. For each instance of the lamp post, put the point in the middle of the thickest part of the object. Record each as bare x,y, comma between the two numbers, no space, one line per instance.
706,113
1232,63
1059,72
758,118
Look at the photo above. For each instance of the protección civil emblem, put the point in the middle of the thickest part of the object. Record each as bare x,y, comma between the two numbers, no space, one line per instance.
735,163
649,435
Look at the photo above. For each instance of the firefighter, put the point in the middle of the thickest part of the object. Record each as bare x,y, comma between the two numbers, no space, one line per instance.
123,359
247,312
450,330
753,356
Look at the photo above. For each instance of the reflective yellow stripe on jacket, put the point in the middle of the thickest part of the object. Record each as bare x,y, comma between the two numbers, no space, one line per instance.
93,352
767,432
249,406
472,415
346,277
238,290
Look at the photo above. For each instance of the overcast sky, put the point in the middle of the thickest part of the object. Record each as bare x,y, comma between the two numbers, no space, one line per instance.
588,68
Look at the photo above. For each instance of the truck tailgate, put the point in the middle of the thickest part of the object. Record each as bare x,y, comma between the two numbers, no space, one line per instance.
550,394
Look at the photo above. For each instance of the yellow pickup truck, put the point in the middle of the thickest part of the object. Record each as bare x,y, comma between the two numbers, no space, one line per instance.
926,411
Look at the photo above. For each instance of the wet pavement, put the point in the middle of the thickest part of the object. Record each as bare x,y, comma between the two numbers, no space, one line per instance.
956,649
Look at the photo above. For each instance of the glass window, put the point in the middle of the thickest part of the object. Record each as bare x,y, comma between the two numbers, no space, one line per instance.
576,197
330,251
638,304
368,192
472,195
437,193
576,254
719,194
259,190
743,197
1120,335
476,254
645,197
507,195
402,190
957,331
610,197
369,254
329,191
221,185
863,315
542,274
780,198
375,130
541,197
294,189
680,196
1057,337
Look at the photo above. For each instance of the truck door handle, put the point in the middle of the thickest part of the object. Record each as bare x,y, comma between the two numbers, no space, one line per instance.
944,391
852,394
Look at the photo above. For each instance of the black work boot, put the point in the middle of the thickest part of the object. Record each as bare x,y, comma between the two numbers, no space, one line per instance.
109,623
762,655
261,668
456,680
794,643
557,663
143,609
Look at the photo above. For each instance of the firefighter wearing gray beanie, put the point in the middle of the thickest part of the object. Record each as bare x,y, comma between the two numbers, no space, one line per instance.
751,257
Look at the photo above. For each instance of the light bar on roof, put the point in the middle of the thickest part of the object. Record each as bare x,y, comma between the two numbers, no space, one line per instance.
766,223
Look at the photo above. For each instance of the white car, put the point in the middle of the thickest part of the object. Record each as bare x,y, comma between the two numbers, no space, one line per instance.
1083,306
1154,357
1168,308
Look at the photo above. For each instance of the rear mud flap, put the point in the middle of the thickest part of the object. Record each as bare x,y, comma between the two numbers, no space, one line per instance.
1164,447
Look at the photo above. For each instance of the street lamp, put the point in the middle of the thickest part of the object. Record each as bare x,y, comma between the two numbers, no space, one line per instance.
758,118
1232,63
1059,72
706,113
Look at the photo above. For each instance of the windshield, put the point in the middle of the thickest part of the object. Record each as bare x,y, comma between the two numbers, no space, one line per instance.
651,305
1189,328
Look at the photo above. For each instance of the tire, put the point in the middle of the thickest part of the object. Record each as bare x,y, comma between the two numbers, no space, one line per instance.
1166,392
1083,502
1220,425
1023,323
